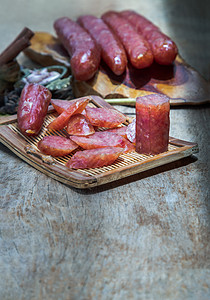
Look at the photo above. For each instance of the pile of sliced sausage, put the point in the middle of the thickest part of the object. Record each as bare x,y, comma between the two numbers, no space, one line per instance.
82,124
116,38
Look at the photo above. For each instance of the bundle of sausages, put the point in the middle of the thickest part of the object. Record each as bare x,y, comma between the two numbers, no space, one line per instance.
116,37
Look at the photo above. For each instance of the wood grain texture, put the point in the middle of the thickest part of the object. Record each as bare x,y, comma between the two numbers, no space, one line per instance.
142,238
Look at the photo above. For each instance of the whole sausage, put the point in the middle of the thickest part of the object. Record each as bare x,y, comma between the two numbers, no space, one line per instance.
137,48
32,108
163,48
112,50
84,53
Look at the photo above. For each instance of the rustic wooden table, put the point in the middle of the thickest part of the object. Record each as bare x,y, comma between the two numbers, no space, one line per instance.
143,237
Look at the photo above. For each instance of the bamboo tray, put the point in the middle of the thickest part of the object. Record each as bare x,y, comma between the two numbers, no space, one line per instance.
126,165
180,82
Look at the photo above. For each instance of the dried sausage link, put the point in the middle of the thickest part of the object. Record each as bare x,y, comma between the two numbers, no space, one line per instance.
112,50
137,48
163,48
84,53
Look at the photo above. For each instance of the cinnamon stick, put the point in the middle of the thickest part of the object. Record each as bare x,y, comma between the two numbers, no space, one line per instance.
25,32
21,42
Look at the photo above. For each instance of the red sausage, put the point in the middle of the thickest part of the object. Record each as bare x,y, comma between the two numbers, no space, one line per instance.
163,48
112,51
103,139
104,117
118,130
60,105
32,108
56,145
137,48
94,158
131,131
62,120
78,124
84,54
152,123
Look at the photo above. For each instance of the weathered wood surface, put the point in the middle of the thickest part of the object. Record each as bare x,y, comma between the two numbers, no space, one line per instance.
146,237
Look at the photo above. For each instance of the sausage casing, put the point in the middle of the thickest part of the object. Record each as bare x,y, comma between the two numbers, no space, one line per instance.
84,53
112,50
152,123
137,48
163,48
32,108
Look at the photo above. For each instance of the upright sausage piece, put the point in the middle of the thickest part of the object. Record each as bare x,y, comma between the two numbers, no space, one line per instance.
84,54
152,123
32,108
112,51
137,48
163,48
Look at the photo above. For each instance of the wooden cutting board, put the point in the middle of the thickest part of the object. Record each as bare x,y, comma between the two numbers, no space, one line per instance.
180,82
126,165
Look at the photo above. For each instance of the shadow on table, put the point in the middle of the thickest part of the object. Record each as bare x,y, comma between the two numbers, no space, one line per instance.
133,178
124,181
